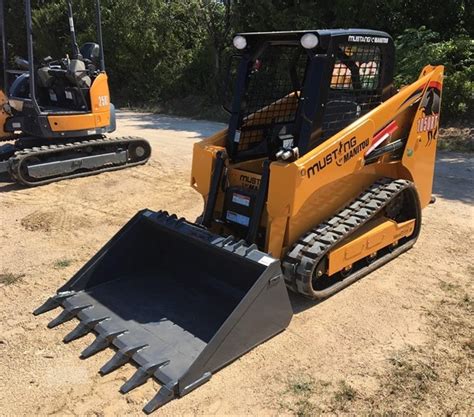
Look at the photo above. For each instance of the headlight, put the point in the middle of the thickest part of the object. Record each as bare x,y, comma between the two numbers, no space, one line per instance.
309,41
239,42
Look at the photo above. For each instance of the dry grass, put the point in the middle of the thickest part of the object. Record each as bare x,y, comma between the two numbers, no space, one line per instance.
300,388
343,396
458,139
436,377
8,278
431,379
62,263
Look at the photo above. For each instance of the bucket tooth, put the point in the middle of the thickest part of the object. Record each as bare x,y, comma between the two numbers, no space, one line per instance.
53,302
82,329
100,343
164,395
140,377
79,331
119,359
66,315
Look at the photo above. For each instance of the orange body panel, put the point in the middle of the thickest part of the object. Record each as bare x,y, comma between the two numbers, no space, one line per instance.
305,192
100,116
374,236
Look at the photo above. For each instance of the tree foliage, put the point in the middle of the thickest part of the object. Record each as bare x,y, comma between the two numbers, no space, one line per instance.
418,47
157,50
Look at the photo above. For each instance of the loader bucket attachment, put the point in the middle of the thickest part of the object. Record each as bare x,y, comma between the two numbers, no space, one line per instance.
175,300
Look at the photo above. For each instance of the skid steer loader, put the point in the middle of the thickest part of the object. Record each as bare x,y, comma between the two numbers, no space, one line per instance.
55,113
319,179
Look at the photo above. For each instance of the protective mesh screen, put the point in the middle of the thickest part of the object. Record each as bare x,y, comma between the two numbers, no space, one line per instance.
272,94
354,88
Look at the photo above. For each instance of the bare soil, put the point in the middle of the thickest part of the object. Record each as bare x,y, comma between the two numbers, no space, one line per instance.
398,341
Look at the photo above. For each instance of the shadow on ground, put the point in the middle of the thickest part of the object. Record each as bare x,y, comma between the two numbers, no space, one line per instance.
454,177
7,184
300,303
202,128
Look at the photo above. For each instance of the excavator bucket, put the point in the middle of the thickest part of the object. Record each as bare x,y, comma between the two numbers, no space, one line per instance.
174,299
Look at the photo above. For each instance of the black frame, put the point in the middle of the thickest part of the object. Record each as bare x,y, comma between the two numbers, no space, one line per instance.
317,80
29,41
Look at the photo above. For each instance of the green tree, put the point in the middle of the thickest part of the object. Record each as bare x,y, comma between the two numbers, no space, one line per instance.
419,47
159,50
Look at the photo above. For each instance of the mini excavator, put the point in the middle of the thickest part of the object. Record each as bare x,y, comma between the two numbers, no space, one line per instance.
55,113
319,179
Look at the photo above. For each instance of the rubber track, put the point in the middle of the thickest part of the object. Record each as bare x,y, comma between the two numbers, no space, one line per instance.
305,254
21,155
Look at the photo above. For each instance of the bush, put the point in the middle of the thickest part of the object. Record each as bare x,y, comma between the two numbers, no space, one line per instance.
419,47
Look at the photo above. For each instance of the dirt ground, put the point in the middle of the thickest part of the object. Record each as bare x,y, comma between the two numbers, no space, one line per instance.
398,341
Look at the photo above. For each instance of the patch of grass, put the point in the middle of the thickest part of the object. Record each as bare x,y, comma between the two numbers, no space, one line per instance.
8,278
301,385
435,375
448,286
304,408
344,395
457,138
62,263
193,107
411,374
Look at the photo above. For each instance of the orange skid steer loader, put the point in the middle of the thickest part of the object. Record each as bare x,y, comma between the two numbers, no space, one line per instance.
319,179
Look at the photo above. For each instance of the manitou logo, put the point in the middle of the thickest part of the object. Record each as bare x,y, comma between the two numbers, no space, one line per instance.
367,39
342,154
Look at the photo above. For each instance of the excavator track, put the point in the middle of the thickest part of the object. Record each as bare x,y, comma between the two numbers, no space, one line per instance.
304,264
49,163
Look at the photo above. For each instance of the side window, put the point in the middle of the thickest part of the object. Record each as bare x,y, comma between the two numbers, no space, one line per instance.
354,86
357,67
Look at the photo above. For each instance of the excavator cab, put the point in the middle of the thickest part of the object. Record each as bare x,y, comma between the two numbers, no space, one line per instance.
319,178
57,111
65,97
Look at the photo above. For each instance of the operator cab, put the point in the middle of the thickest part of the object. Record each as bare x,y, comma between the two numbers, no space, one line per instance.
294,90
291,92
63,84
42,90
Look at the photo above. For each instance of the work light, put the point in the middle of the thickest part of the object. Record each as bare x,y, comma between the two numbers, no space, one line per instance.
239,42
309,41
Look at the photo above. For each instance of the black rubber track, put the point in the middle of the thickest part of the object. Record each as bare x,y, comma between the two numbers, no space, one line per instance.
311,249
43,153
